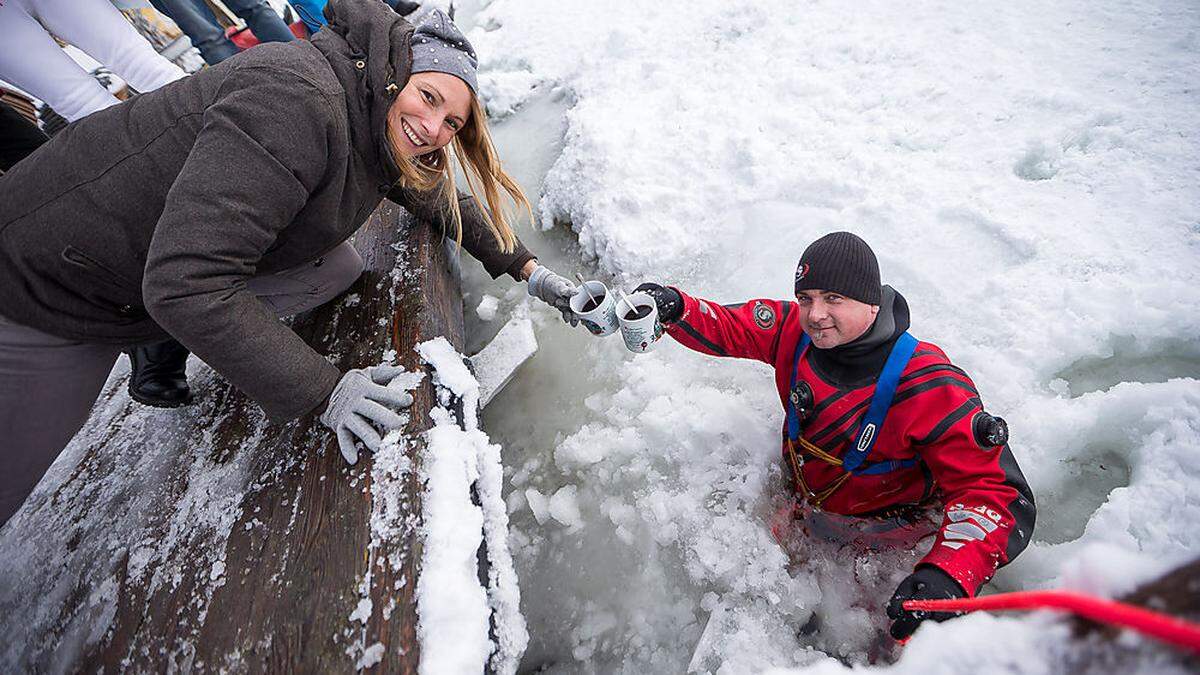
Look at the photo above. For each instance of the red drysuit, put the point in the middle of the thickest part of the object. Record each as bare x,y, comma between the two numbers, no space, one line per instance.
988,508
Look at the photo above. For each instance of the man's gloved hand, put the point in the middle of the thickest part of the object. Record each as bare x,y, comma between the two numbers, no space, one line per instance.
926,583
669,301
555,291
362,401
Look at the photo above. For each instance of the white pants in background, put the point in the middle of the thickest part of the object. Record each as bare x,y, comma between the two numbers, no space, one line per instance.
31,60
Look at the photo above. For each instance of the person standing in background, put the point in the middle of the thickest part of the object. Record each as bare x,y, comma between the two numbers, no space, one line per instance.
196,19
33,61
312,13
19,136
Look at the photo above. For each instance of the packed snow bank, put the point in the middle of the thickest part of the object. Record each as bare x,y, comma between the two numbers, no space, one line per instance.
1026,173
463,509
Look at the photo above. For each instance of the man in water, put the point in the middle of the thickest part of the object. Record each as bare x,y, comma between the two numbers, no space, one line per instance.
882,431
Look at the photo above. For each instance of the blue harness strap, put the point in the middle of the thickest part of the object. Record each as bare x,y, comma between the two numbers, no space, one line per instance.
881,401
885,391
793,416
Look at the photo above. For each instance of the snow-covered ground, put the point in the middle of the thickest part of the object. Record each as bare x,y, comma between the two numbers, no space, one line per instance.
1029,175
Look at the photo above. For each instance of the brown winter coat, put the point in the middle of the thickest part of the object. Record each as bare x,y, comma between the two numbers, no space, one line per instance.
147,218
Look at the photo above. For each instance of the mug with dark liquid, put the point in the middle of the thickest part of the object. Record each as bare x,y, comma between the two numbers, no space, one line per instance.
596,308
640,327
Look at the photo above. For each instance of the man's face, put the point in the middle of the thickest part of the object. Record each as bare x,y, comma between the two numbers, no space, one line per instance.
831,319
430,109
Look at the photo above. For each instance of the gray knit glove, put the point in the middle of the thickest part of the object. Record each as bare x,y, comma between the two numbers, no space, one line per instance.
362,402
555,291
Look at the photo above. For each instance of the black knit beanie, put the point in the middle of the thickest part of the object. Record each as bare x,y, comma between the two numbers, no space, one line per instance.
843,263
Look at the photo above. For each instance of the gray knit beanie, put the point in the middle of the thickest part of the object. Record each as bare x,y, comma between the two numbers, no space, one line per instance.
438,46
843,263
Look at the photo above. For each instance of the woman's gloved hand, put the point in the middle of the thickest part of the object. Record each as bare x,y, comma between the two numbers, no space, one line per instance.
668,300
927,583
362,401
555,291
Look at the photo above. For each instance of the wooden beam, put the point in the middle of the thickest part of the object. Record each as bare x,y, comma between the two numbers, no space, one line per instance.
233,543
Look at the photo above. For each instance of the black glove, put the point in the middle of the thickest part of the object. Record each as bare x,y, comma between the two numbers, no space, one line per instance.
927,583
668,300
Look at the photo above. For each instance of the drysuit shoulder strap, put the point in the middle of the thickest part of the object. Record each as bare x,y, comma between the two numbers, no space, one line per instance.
881,401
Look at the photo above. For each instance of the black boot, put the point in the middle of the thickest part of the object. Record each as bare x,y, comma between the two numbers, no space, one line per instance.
159,376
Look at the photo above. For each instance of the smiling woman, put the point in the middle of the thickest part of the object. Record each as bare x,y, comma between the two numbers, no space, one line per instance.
430,109
226,199
439,108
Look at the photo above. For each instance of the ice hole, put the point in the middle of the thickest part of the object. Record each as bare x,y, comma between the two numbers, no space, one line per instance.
1084,485
1133,362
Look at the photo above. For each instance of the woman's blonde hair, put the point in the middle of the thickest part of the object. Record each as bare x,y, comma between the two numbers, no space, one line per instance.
476,154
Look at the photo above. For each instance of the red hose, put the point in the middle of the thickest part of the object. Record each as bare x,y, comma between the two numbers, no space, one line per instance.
1160,626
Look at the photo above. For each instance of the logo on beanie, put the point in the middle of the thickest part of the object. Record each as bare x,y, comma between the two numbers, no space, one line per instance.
801,272
764,316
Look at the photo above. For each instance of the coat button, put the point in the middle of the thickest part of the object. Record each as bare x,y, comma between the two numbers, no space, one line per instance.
127,310
360,64
318,262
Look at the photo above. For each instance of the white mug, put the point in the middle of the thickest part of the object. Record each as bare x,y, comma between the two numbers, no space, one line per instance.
640,333
602,319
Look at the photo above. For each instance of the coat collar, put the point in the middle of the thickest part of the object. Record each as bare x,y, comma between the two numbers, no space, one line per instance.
369,48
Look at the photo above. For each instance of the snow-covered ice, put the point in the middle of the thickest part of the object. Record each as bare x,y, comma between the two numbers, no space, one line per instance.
1027,173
